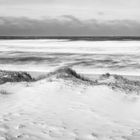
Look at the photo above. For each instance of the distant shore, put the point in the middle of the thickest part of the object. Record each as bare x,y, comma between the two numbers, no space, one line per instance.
75,38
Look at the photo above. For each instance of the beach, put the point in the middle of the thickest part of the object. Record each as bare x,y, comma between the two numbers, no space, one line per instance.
48,92
62,106
69,69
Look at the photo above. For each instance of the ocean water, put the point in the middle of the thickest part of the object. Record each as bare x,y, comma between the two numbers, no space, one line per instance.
84,56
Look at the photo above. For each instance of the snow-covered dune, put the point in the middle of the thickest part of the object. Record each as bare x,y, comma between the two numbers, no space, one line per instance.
64,105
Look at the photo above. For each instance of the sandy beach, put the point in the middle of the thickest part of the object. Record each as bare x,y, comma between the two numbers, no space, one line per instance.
63,106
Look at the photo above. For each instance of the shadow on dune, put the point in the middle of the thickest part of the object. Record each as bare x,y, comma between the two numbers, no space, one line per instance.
9,76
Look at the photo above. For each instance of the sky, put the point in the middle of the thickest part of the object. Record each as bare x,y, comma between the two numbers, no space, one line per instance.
70,17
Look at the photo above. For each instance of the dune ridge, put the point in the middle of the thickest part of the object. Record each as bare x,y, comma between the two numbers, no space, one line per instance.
115,82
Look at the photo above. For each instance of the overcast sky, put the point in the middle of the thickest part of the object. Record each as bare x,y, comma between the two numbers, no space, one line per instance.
70,17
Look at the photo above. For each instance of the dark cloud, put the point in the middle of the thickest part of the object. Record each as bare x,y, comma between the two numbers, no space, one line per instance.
70,17
70,27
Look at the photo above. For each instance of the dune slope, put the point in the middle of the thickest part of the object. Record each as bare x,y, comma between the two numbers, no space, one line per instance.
66,106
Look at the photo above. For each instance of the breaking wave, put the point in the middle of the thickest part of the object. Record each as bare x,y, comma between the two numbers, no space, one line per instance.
85,56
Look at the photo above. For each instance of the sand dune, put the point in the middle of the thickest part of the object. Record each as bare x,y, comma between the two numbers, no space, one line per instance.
64,105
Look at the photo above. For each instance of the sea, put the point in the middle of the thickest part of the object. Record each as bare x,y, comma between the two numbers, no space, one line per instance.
88,55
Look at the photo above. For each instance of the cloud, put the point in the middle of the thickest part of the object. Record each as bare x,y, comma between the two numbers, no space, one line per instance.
67,26
72,18
83,9
101,13
12,2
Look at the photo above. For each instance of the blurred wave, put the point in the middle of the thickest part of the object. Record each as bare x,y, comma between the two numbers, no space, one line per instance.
94,57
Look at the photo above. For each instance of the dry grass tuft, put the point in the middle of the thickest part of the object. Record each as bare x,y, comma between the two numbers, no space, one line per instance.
4,92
